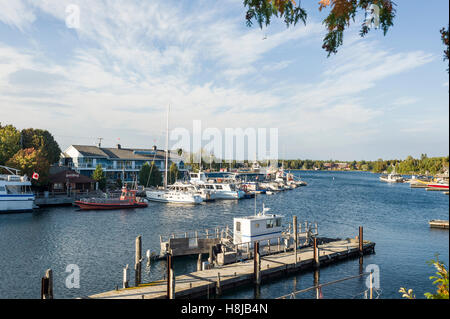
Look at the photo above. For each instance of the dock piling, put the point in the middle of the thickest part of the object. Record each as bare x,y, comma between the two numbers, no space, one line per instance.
361,240
138,260
170,278
47,285
199,262
294,222
125,277
218,288
257,264
316,253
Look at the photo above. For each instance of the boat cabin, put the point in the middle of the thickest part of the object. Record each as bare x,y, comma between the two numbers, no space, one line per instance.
261,227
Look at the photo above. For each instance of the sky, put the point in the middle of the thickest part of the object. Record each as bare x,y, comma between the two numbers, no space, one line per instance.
114,75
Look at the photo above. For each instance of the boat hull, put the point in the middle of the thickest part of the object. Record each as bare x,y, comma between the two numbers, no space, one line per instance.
105,206
16,203
168,198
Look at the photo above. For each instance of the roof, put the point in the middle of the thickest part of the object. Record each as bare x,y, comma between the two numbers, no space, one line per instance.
121,153
70,176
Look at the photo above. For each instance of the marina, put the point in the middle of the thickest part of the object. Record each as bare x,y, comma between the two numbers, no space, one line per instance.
102,243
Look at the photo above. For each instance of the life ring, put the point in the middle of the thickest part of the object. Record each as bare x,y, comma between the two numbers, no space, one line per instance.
244,187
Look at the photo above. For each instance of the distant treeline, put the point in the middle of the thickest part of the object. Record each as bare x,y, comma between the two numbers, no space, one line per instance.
410,165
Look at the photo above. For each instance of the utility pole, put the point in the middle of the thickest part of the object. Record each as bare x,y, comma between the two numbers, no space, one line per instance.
100,141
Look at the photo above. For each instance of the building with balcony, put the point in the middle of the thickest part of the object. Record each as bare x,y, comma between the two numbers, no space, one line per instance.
117,163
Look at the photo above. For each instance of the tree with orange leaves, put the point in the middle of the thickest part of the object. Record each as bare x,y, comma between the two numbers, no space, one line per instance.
341,14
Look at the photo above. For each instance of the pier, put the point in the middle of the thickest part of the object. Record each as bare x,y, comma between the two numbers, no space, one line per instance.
214,281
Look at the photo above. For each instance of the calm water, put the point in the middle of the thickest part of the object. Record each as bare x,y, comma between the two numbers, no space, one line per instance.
102,243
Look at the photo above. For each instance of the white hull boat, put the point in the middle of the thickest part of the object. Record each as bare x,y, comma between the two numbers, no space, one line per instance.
15,192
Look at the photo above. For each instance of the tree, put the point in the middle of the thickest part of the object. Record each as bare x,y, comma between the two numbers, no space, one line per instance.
342,12
29,161
173,173
149,175
440,280
100,177
444,38
41,139
9,142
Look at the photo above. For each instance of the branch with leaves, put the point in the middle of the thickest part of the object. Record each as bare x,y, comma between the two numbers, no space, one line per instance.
341,14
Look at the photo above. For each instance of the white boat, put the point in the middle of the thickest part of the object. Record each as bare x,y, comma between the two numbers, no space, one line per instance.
392,178
218,189
177,193
15,192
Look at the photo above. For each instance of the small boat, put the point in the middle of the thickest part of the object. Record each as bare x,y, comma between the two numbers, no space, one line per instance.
178,193
442,186
128,199
269,192
392,178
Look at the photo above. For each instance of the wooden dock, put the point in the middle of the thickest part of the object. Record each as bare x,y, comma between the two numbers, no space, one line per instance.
220,278
438,223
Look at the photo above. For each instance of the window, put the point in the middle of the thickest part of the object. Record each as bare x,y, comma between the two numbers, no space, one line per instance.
218,186
269,223
238,226
2,188
278,222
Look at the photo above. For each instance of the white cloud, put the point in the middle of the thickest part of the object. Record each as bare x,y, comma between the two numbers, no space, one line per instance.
132,59
16,13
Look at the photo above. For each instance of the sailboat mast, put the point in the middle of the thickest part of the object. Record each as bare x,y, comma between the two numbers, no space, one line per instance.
167,148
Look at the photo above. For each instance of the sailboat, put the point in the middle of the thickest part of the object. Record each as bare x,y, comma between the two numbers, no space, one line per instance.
173,193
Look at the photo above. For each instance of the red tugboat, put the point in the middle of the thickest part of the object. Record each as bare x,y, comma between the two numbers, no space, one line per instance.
127,200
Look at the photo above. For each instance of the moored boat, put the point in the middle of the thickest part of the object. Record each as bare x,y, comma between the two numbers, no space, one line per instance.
128,199
15,192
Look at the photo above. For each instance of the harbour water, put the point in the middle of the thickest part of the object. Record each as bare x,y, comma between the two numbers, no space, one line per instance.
101,243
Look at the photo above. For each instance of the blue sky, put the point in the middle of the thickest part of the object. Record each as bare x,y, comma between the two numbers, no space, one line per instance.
115,75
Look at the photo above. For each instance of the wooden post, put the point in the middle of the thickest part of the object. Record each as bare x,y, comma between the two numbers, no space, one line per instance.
170,278
199,262
138,259
278,247
316,283
257,264
125,277
361,240
47,285
317,229
206,234
218,288
149,255
211,254
268,245
316,253
294,222
370,286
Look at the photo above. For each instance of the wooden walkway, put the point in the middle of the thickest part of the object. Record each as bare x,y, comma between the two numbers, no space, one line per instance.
205,282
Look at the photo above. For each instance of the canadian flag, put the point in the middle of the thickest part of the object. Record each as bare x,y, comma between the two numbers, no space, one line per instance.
35,176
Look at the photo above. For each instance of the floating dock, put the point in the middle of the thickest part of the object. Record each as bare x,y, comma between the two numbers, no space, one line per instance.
221,278
438,223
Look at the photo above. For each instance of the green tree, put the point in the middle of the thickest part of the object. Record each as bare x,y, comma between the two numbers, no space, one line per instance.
99,176
149,175
341,14
445,41
43,140
173,174
9,142
440,280
30,161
